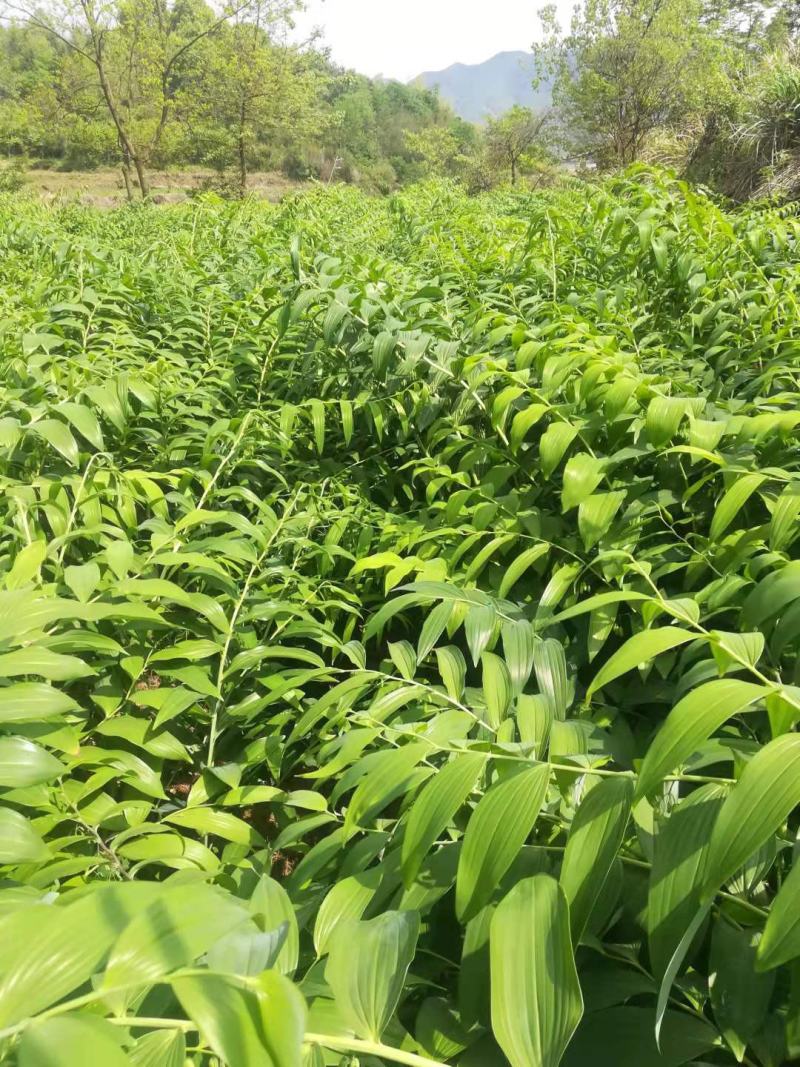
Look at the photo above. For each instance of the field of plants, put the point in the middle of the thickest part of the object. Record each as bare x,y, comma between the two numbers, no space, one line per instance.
399,618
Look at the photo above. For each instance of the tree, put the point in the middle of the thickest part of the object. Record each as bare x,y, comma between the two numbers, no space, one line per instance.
253,89
512,136
139,53
629,67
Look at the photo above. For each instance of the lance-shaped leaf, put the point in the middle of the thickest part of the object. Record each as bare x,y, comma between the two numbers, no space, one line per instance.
496,831
497,691
759,803
781,940
261,1024
346,900
536,998
70,1039
518,650
676,879
433,810
172,932
594,839
691,722
20,842
637,651
367,967
452,669
383,784
550,667
740,996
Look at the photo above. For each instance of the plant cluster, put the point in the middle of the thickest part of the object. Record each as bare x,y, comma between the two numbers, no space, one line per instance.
399,616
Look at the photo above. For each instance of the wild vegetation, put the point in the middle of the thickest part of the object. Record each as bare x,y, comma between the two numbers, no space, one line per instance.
398,631
710,88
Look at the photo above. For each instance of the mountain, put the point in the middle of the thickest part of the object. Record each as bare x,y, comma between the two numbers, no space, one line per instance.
484,90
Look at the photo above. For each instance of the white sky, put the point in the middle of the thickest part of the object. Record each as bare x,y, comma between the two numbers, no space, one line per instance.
403,38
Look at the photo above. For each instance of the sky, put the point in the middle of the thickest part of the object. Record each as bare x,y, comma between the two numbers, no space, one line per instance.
402,38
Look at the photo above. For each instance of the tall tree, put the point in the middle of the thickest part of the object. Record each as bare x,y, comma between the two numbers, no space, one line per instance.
629,67
513,136
254,88
139,52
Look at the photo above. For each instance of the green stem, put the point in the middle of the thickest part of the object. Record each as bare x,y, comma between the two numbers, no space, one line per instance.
373,1048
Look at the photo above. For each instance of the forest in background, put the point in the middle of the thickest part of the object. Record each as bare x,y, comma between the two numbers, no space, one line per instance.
710,88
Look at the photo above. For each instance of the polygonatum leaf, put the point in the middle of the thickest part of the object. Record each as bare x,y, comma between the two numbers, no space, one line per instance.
536,997
434,808
691,722
497,830
759,803
367,966
594,839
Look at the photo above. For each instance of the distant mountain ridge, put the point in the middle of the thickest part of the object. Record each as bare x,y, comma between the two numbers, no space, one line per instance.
484,90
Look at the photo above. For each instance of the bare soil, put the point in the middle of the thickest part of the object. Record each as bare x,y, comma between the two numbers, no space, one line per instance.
104,187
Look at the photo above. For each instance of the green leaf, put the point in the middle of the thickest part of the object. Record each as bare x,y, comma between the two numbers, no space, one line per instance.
452,670
27,564
23,763
82,581
85,422
519,565
41,661
219,823
46,952
404,658
383,784
317,409
518,649
433,628
497,830
759,803
536,998
160,1048
367,967
550,667
679,863
732,503
781,940
554,443
582,474
623,1037
497,688
638,650
433,810
739,995
19,841
346,900
691,722
594,839
56,434
595,515
478,627
260,1025
783,527
172,932
382,352
271,906
70,1039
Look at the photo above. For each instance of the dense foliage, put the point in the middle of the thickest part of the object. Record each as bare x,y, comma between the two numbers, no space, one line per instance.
398,631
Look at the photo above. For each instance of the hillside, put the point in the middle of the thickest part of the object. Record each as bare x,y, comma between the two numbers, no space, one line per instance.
480,90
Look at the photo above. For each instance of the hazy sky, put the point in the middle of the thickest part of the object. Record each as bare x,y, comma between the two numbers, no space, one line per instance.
402,38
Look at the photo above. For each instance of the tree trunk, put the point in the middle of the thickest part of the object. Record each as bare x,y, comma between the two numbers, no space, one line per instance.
242,146
513,170
141,174
126,177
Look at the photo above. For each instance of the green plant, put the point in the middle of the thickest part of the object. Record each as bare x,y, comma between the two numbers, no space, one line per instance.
398,630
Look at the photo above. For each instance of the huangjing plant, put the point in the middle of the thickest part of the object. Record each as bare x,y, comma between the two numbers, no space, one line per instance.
398,631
